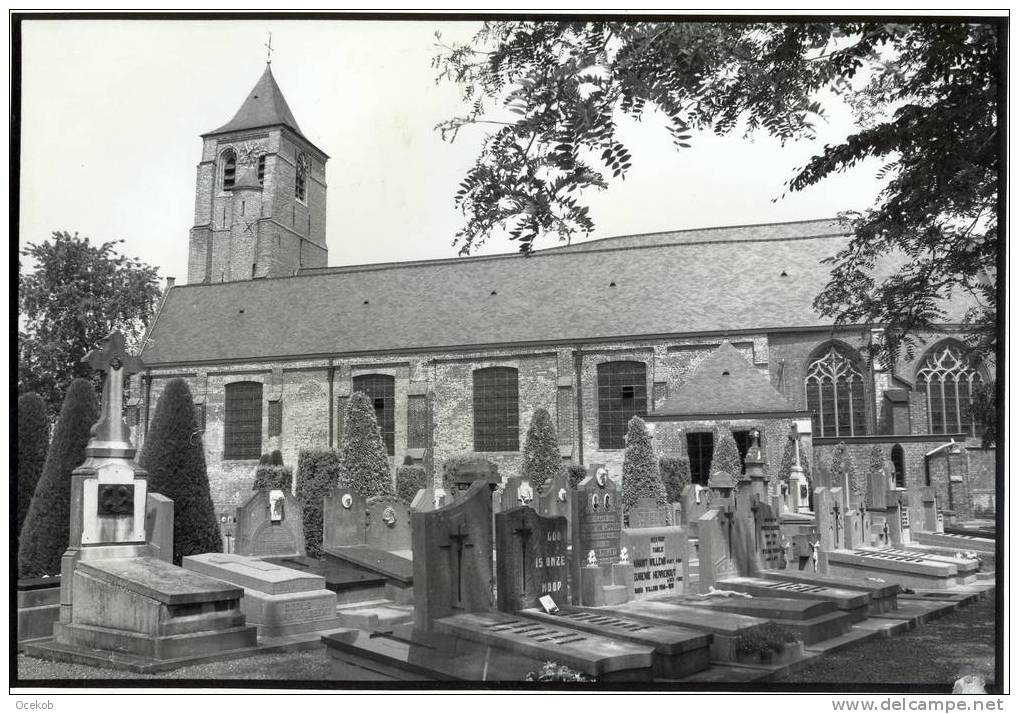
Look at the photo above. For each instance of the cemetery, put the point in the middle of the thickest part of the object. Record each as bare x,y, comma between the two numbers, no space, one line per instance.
488,577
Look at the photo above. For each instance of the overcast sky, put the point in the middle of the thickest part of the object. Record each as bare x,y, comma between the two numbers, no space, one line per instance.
112,113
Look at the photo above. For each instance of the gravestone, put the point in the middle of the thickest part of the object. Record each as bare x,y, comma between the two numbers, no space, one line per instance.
929,510
468,472
658,556
453,557
343,518
597,522
388,526
531,559
429,499
837,500
695,500
557,499
270,524
769,536
516,492
159,525
714,547
646,513
279,601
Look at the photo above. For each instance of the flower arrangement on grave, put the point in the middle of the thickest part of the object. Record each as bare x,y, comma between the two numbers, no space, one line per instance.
541,460
175,461
675,475
317,472
553,672
641,476
33,442
364,466
765,641
45,533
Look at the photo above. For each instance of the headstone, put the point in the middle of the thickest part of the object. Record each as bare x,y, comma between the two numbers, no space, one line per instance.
279,601
929,509
646,513
478,469
837,501
531,559
657,555
159,525
516,492
597,522
429,499
453,557
714,561
769,537
695,499
557,499
260,535
388,525
343,518
824,520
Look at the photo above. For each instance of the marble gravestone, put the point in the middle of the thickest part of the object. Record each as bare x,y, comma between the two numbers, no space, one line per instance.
388,525
659,557
343,518
531,559
270,525
453,557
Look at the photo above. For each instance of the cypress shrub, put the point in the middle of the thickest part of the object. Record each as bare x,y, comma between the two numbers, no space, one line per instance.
576,473
45,533
276,458
451,468
33,441
541,460
641,477
175,460
364,467
675,475
318,470
876,466
843,470
269,476
725,457
409,480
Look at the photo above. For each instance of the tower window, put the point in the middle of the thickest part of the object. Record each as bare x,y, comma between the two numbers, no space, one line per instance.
834,386
229,169
301,180
261,169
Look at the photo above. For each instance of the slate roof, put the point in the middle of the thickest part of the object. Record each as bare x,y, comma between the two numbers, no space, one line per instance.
552,297
264,106
725,383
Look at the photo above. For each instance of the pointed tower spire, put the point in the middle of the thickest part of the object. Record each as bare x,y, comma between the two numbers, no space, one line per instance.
263,107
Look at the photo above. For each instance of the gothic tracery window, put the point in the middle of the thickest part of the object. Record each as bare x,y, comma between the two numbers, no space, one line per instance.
948,382
835,395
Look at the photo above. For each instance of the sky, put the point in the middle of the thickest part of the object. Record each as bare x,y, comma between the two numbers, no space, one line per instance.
113,112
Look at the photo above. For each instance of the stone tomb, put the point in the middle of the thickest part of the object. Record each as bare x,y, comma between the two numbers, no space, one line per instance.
279,601
659,557
531,559
343,518
453,557
270,524
912,571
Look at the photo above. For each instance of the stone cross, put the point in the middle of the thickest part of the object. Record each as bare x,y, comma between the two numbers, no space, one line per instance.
459,538
110,435
836,521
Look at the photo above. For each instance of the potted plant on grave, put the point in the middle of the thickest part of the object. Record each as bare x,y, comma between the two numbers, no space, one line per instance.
768,644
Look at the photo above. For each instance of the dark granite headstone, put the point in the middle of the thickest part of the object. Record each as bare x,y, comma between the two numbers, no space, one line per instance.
556,499
266,532
453,557
343,518
597,523
530,558
388,526
657,555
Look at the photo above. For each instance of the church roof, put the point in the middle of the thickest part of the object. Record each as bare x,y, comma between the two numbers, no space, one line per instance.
725,382
552,297
264,106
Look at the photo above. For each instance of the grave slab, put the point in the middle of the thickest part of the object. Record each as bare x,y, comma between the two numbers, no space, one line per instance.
907,571
678,651
848,639
853,602
279,601
812,621
882,595
597,656
918,612
957,542
386,564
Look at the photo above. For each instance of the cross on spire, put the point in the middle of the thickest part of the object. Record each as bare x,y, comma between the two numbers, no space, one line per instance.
268,50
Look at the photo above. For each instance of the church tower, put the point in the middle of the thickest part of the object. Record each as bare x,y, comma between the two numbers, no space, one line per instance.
260,197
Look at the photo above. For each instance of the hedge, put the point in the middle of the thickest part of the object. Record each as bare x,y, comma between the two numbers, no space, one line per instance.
175,460
675,475
268,476
318,471
409,480
641,477
364,466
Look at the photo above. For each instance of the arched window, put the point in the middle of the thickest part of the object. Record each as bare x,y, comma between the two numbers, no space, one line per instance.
261,169
899,466
382,393
948,380
496,409
229,168
301,180
242,426
834,386
622,394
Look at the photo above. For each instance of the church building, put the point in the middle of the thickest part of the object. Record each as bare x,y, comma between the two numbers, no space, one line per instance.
691,329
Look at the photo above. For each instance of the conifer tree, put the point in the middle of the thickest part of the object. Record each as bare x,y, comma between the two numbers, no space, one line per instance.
876,466
364,467
174,458
33,441
317,473
725,457
44,536
541,460
641,475
843,471
789,458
